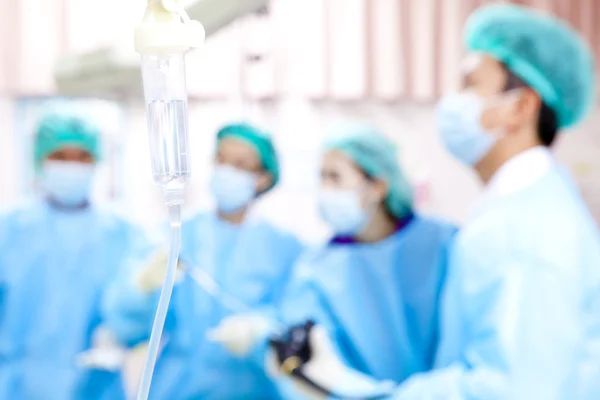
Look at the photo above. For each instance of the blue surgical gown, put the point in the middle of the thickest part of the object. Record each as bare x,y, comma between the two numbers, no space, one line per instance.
54,268
250,262
379,302
522,305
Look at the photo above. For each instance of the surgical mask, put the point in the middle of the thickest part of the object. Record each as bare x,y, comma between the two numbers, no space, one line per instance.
459,124
68,183
342,210
232,188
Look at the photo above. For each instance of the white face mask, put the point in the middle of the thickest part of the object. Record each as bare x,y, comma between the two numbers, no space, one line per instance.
459,124
66,182
342,209
233,188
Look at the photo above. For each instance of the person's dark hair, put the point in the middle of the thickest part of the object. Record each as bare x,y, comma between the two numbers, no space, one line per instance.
547,126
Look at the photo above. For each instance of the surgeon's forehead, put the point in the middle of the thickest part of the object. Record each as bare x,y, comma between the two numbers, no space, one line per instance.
338,162
482,73
72,151
231,146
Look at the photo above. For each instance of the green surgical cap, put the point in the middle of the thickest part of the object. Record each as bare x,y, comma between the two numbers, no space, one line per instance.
544,52
261,141
376,155
57,131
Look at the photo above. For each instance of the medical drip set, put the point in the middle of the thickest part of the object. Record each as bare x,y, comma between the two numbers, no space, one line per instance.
163,37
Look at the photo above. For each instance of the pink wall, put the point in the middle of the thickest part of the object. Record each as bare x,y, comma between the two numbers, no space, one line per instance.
324,49
364,49
32,40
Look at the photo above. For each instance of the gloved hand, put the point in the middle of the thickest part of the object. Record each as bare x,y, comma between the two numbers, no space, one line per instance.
106,353
316,370
239,334
151,277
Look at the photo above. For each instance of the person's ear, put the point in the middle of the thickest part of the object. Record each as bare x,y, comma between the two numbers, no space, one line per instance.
380,190
263,182
523,110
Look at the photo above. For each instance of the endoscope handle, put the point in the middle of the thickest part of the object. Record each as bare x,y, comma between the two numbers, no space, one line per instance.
293,350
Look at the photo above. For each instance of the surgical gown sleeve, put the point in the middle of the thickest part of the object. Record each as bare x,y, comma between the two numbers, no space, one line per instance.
290,307
517,332
6,225
127,310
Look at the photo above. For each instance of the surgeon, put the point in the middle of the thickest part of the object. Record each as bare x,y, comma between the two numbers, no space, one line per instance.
57,256
375,286
522,306
228,263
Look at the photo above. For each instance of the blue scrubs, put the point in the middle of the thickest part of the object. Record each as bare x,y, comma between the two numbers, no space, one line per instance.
54,267
251,262
379,302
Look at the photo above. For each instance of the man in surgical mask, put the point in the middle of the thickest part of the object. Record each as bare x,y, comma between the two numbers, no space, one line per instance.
57,256
522,304
230,264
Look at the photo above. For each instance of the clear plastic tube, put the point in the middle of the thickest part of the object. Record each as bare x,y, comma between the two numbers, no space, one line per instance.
210,286
163,303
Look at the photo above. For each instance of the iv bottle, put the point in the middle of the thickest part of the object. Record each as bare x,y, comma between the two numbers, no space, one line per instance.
166,109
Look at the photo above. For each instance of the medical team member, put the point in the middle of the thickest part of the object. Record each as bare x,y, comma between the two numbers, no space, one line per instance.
375,286
56,258
249,260
522,309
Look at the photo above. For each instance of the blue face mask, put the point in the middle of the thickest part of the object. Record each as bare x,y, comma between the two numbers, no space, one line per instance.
232,188
67,183
342,210
459,125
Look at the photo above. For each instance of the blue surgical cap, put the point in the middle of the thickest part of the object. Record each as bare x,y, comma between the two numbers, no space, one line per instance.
376,155
541,50
57,131
260,140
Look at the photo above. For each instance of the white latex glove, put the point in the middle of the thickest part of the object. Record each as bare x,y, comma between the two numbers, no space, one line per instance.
326,370
151,277
106,353
240,333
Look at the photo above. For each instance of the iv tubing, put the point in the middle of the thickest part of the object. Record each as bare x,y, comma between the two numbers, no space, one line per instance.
163,302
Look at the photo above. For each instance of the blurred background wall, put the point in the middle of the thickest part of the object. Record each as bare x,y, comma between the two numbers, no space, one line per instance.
296,67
